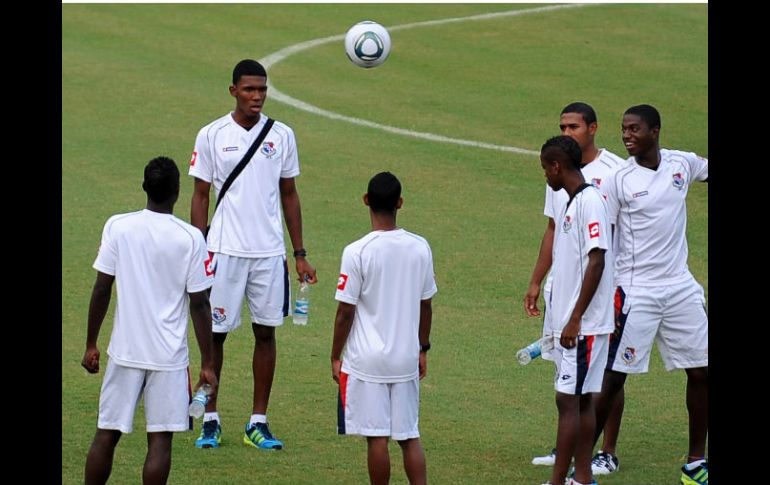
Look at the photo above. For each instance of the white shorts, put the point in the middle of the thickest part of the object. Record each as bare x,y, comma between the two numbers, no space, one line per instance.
673,316
166,397
547,332
378,409
580,370
265,283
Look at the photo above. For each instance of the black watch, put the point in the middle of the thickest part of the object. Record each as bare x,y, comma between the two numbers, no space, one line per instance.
300,252
425,348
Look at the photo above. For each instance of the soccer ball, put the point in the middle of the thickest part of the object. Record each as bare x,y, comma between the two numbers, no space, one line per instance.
367,44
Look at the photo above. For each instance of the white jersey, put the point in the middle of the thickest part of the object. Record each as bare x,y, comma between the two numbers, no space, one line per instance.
584,227
157,259
248,222
594,173
650,215
385,274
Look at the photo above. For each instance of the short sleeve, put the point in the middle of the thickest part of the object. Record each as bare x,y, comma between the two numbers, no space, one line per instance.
290,161
201,163
350,279
548,207
429,285
107,259
199,277
594,228
611,193
699,167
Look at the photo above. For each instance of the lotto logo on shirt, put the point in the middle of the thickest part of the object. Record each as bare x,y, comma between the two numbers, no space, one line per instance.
342,281
193,159
593,230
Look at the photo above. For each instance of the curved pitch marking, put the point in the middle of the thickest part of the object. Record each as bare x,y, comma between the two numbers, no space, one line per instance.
278,56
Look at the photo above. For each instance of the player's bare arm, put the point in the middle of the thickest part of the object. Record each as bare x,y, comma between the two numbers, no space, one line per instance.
199,208
343,322
292,213
543,264
97,309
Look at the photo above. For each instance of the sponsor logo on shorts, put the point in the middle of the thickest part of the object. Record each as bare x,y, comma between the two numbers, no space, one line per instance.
342,281
567,224
218,315
565,377
593,230
678,181
629,355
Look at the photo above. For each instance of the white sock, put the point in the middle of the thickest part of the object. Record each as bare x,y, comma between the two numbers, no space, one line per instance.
258,418
692,466
211,416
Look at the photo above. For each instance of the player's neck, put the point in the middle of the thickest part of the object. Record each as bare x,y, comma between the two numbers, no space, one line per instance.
572,182
164,208
650,159
589,154
246,121
383,222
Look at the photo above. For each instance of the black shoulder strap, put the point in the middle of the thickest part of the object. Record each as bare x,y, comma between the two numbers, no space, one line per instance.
245,160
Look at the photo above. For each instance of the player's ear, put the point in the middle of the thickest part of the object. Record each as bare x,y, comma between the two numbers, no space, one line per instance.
366,199
232,90
400,202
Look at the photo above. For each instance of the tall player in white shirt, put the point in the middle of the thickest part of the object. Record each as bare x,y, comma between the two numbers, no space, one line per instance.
158,261
581,312
657,298
246,237
383,322
579,121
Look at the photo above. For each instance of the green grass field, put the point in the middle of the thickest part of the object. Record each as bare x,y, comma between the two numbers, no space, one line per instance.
140,80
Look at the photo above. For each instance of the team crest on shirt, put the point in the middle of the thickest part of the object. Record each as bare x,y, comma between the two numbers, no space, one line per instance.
567,224
342,281
268,149
218,315
678,181
596,182
629,355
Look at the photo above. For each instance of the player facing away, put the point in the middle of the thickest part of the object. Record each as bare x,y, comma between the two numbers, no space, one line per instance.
579,121
581,314
246,238
158,261
383,322
657,298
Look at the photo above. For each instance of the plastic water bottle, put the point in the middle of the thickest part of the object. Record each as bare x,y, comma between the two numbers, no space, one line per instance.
199,400
302,304
534,350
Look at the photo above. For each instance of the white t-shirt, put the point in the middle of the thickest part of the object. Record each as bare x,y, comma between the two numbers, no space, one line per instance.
650,215
157,259
594,173
385,274
248,222
584,227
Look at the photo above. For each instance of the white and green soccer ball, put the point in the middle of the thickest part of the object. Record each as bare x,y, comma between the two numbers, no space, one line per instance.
367,44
